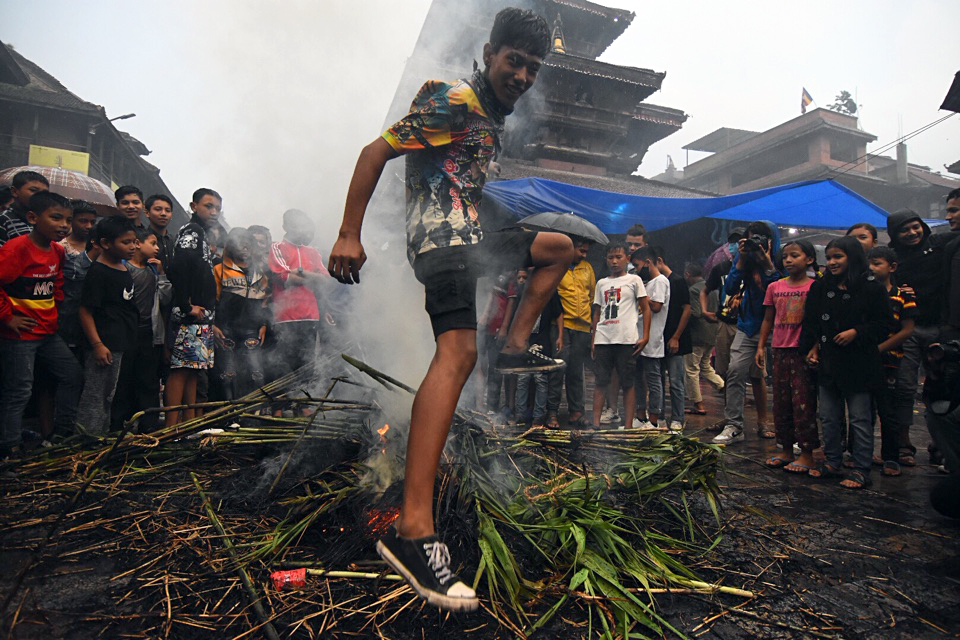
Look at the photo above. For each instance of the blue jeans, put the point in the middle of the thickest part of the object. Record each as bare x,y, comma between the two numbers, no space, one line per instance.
16,382
652,373
831,401
673,366
539,380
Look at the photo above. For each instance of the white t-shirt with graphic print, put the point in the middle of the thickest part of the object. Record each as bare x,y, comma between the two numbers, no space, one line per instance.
618,299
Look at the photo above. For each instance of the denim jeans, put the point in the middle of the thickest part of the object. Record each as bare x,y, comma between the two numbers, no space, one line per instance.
673,366
99,387
652,372
831,402
16,381
539,381
576,352
742,367
239,367
908,379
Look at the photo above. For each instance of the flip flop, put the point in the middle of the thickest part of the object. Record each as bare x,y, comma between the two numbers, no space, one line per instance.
891,468
860,480
766,432
695,412
908,460
825,471
776,462
796,467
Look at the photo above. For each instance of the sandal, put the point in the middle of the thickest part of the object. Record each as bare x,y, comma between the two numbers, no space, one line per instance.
857,480
796,467
777,462
825,471
765,431
552,421
892,468
908,460
695,412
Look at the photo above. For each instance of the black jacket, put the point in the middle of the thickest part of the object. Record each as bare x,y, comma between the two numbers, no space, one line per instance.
830,310
921,267
191,270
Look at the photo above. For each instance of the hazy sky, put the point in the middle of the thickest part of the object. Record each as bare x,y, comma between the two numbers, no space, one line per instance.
270,103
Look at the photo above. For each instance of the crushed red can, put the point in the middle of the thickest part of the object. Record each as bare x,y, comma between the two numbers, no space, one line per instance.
292,579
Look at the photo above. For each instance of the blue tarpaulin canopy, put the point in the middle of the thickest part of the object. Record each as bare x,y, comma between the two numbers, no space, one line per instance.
821,204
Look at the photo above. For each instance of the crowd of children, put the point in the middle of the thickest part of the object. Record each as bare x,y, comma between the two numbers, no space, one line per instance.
841,344
105,317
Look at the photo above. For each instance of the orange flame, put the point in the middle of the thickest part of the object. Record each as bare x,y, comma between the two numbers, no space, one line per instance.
383,431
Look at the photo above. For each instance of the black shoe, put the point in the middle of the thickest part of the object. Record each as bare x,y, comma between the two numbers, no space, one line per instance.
425,564
530,361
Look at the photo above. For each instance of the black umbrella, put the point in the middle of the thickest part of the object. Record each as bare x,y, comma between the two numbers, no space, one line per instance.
568,223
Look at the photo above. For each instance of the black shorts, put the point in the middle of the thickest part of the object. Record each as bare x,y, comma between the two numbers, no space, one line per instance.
614,356
449,275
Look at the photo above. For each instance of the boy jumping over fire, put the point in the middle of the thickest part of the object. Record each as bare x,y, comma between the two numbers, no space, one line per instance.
450,136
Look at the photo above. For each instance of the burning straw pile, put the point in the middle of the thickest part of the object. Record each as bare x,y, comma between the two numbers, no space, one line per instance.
177,532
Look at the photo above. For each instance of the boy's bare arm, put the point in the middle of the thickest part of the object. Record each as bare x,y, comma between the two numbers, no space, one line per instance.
101,353
347,255
897,339
645,338
765,330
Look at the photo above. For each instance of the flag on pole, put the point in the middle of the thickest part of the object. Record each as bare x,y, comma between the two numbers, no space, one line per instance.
805,100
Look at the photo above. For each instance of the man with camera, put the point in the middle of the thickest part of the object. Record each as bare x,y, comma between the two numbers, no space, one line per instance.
753,270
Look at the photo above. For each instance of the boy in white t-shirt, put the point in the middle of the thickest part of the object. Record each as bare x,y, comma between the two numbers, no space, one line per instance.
657,285
616,339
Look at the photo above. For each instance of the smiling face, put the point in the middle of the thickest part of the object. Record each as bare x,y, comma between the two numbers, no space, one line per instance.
837,262
953,214
53,224
910,233
510,72
131,206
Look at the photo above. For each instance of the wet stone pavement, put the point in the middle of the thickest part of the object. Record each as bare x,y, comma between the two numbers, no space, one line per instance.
825,561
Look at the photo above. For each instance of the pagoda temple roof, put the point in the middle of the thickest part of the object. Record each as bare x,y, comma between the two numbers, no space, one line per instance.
24,81
589,27
597,69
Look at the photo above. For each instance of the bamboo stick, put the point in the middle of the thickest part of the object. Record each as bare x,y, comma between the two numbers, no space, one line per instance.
244,576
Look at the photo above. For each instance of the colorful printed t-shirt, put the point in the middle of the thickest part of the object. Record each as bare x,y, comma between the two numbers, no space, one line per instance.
31,285
450,137
788,302
904,307
618,299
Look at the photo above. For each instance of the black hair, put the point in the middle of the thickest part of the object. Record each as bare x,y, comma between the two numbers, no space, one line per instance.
82,206
808,250
579,240
111,228
883,253
637,230
203,191
259,230
143,234
863,225
236,236
159,196
693,269
952,195
23,177
661,253
127,190
6,194
43,200
857,268
758,228
521,29
643,254
616,245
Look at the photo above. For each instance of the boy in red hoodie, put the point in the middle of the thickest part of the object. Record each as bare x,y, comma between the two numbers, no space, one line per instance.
31,286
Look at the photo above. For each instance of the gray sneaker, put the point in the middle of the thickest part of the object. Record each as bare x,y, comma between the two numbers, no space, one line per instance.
729,435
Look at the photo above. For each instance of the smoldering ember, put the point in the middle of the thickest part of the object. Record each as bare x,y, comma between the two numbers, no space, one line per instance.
721,402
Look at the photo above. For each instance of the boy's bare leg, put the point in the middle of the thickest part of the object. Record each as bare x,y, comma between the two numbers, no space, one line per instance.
433,410
552,254
629,405
760,398
599,396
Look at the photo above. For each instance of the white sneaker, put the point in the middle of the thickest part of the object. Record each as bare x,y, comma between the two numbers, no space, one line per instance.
676,427
729,435
641,424
608,415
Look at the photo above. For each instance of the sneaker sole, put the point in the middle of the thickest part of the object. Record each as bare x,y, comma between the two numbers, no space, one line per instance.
540,369
730,441
431,596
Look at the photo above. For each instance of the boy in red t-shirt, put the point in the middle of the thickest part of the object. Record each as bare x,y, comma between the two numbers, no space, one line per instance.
31,286
298,274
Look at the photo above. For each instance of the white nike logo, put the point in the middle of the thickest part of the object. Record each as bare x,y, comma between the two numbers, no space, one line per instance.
128,295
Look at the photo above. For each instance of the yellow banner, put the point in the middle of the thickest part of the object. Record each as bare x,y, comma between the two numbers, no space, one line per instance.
60,158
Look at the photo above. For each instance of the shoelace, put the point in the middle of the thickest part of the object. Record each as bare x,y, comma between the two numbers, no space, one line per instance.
438,557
